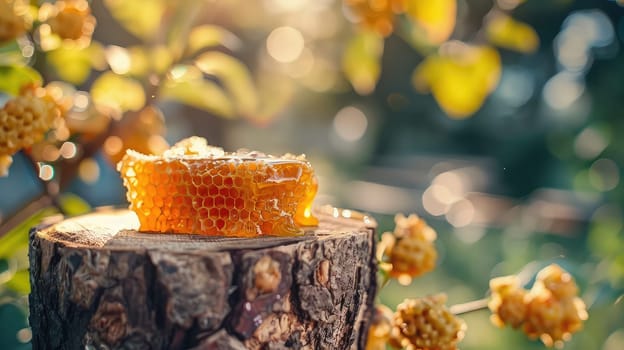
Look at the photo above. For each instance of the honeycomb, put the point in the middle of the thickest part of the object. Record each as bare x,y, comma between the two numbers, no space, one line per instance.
196,188
550,311
507,302
426,324
410,249
26,118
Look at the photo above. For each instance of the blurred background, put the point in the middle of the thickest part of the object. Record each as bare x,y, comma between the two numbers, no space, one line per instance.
496,121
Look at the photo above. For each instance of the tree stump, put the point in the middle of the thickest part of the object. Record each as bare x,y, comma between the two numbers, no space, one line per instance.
98,283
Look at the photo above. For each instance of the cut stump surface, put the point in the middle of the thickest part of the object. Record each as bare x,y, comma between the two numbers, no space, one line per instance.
98,283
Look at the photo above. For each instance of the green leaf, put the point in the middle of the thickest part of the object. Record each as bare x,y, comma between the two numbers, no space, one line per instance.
20,282
119,92
234,76
12,78
11,54
361,61
206,36
140,17
179,24
74,64
73,204
187,85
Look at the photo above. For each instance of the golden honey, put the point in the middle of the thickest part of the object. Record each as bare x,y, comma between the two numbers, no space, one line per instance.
196,188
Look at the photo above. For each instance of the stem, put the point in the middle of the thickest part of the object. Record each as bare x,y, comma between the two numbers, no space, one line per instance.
48,192
24,213
384,280
475,305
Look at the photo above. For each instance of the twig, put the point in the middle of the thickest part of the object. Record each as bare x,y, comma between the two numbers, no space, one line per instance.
25,212
475,305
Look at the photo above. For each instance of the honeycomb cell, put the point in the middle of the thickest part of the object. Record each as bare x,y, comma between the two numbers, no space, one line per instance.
239,203
229,202
238,181
213,190
218,180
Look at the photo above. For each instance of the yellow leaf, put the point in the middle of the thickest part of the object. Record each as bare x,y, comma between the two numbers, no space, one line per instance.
161,58
210,36
140,17
187,85
139,61
506,32
118,92
74,64
460,77
234,76
20,282
434,18
134,60
360,61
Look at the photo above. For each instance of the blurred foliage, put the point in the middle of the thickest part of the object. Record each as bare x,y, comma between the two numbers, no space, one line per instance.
361,61
540,82
12,78
460,77
460,73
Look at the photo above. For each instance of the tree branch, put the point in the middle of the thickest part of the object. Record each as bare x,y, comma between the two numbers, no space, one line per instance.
41,202
475,305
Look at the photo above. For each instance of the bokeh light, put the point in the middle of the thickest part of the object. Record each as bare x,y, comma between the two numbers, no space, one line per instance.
89,170
113,145
615,341
68,150
461,213
81,101
24,335
46,172
285,44
118,59
350,124
604,174
590,143
562,90
582,31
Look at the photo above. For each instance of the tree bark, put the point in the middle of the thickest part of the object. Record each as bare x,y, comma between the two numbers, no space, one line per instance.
98,283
